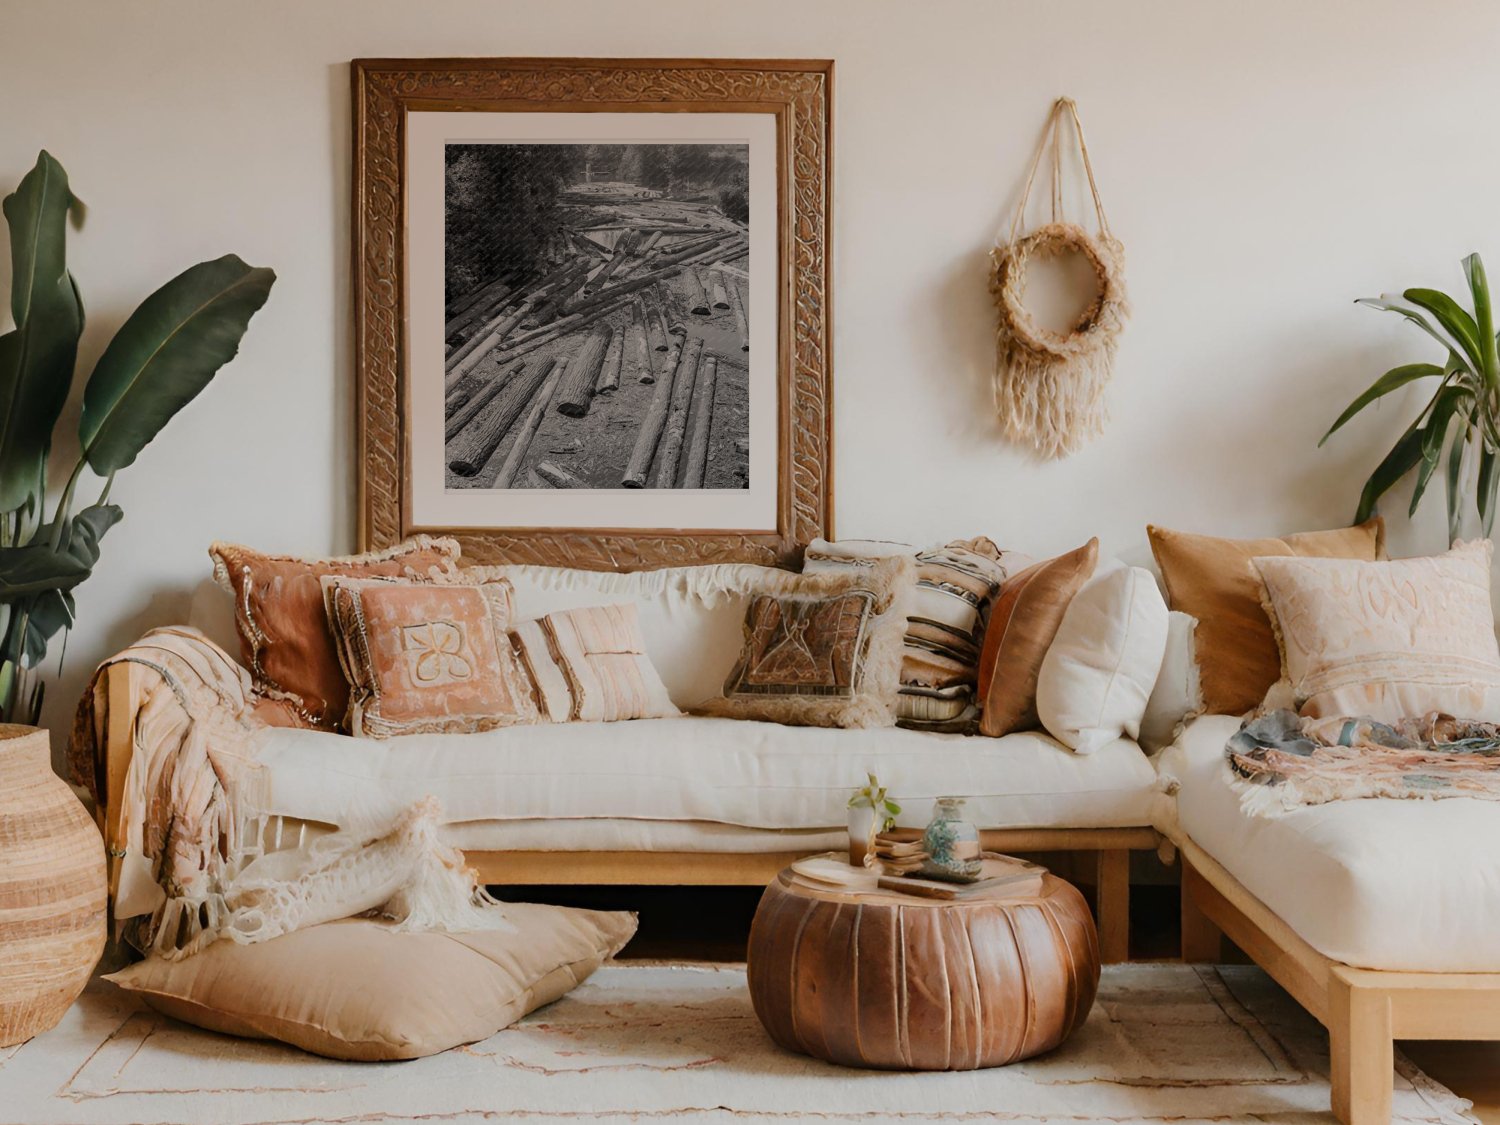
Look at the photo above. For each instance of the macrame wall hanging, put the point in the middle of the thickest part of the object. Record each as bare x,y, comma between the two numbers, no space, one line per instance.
1049,386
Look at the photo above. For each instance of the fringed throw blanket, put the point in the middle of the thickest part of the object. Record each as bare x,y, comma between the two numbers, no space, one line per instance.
1281,761
190,840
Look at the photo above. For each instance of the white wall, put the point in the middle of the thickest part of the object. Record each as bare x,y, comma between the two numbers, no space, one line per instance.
1264,164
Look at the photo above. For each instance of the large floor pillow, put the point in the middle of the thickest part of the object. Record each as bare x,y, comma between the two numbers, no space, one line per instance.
358,990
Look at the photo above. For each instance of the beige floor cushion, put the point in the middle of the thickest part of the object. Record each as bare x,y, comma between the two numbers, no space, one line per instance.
358,990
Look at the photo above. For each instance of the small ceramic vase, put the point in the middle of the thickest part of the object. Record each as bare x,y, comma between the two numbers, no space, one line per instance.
861,832
951,843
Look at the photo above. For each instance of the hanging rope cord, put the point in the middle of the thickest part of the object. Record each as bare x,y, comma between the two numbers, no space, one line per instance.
1049,386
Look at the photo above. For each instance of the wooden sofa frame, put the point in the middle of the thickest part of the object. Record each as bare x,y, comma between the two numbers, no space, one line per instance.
1111,846
1364,1010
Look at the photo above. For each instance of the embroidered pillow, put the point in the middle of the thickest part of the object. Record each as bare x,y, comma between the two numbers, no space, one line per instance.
956,584
284,635
1023,623
1388,640
590,665
1214,580
823,649
424,657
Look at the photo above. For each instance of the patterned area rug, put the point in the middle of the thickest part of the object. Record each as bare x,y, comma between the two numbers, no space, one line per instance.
646,1042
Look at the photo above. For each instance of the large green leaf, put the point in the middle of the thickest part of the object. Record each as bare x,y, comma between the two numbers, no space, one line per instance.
37,356
164,355
1455,321
1402,458
1392,380
37,567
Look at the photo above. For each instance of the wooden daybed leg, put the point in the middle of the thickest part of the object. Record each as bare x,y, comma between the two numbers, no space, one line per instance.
1202,941
1361,1051
1112,886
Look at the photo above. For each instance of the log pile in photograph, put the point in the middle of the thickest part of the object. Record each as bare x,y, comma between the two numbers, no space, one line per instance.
617,361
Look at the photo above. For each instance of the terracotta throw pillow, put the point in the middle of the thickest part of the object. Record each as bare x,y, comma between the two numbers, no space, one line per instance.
357,990
1215,581
1388,640
823,649
427,657
590,665
1026,617
285,640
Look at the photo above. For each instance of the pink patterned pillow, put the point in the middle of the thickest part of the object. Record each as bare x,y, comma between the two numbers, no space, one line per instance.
590,665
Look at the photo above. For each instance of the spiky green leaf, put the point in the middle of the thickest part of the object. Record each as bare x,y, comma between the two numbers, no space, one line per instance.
1392,380
1455,321
1402,458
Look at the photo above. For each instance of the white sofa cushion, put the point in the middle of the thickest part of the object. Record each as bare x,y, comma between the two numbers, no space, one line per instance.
730,771
1101,665
1378,884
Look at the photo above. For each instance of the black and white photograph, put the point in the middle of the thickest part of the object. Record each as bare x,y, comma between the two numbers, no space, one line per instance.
596,315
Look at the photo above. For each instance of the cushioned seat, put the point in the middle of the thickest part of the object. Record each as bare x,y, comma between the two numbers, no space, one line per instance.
1379,884
724,771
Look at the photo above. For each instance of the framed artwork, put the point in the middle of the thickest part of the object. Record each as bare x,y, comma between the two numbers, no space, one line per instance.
592,307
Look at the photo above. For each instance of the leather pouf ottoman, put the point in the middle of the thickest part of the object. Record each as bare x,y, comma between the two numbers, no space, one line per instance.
889,980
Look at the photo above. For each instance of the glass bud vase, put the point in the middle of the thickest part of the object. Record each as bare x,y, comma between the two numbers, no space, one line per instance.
951,843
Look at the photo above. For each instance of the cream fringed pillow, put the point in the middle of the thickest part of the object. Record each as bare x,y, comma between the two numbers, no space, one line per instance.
823,650
1388,640
590,665
427,657
356,990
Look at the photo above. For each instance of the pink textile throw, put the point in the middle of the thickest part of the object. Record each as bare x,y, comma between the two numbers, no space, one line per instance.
1280,761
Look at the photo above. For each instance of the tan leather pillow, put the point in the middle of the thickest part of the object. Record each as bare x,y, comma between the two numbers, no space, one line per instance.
1215,581
1023,622
285,640
427,657
357,990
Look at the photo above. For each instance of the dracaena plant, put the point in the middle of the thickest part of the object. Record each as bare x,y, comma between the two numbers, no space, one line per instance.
163,355
1457,427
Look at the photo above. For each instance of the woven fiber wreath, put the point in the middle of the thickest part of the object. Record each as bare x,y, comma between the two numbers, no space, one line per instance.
1049,386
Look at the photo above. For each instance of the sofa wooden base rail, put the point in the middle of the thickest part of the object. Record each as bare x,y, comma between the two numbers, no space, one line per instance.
1364,1010
1111,846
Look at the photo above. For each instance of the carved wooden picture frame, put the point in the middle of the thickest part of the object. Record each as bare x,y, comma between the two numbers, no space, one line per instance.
393,197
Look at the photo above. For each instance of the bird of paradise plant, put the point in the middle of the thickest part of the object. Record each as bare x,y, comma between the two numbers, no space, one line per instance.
1457,427
162,356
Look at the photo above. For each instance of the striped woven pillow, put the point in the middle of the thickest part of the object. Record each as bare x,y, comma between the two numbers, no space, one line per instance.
956,583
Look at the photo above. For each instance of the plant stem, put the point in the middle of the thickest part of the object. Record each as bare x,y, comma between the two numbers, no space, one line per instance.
65,504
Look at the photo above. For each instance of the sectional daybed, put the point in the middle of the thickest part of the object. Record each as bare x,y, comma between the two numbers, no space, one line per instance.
1380,916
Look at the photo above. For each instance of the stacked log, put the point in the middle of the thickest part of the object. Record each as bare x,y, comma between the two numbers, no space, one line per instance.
656,417
703,421
674,433
528,427
557,476
471,450
648,243
469,300
577,387
494,293
644,373
553,301
466,358
669,310
697,298
741,321
656,324
623,250
721,298
679,254
609,373
462,413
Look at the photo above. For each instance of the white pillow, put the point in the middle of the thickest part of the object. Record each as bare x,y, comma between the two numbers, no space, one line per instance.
1178,694
1098,674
